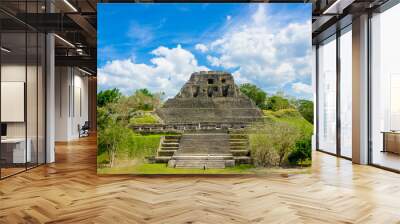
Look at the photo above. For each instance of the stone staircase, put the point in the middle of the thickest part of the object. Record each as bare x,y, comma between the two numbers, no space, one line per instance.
203,151
201,162
239,148
169,144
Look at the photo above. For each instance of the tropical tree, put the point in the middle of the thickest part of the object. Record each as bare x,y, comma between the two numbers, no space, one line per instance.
254,93
112,139
306,109
108,96
277,102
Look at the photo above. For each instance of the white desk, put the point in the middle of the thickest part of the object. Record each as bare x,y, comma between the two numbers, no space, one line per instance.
18,151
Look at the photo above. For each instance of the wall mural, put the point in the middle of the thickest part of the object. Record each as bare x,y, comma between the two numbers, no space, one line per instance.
204,88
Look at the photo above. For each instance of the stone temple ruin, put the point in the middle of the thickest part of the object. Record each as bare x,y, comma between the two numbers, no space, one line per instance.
209,97
206,115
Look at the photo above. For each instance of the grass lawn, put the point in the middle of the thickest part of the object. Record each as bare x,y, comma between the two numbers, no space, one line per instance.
160,168
291,117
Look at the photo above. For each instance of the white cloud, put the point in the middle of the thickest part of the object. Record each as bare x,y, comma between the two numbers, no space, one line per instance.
228,17
170,68
214,61
141,34
299,87
263,51
260,16
239,79
201,47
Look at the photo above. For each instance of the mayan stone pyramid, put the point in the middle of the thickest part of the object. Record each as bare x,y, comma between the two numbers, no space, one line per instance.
209,97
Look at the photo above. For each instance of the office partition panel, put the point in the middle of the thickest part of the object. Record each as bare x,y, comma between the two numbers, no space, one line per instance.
15,149
22,76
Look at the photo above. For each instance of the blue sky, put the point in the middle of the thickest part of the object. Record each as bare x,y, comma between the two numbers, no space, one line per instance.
158,46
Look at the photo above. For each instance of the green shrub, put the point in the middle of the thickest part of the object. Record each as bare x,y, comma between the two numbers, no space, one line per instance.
301,152
277,102
146,118
271,143
262,151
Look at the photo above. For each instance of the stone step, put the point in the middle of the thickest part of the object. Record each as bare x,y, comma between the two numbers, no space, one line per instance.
216,143
170,144
211,130
169,148
238,136
172,137
238,148
204,138
238,143
171,140
240,152
242,159
189,165
210,157
166,152
238,140
200,164
215,164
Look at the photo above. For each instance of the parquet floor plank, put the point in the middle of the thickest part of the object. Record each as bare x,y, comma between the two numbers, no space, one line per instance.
70,191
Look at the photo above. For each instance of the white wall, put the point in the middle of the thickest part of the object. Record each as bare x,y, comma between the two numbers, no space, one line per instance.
62,82
12,73
33,126
71,102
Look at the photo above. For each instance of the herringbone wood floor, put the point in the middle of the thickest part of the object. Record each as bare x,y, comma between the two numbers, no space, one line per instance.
69,191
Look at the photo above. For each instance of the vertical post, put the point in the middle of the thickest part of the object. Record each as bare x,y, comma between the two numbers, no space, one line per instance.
360,90
316,117
0,96
50,92
26,87
338,77
369,88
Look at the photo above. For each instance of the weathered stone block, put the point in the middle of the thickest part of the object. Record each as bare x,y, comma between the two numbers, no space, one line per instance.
229,163
171,163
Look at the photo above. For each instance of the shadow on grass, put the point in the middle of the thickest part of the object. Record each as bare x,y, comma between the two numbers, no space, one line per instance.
160,168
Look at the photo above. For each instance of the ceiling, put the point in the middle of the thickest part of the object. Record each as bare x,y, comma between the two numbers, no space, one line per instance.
75,23
332,15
